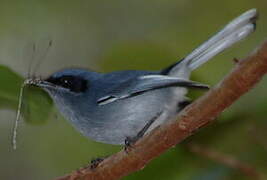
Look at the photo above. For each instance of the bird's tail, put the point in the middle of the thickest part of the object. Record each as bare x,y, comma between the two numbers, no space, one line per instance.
233,32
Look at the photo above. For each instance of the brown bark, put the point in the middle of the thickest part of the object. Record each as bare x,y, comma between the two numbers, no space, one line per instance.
243,77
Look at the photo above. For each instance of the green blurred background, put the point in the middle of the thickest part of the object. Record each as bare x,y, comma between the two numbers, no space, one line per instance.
106,35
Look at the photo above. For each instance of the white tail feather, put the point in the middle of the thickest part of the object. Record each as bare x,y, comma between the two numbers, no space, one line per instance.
233,32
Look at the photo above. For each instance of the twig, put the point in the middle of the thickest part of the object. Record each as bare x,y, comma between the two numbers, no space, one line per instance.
244,76
225,159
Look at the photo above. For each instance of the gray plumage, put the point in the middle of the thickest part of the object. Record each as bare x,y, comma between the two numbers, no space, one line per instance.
108,107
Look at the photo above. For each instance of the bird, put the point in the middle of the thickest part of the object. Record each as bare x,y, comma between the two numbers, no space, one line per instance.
122,106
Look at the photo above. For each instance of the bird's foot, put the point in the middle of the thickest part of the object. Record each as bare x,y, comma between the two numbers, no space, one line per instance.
95,162
130,141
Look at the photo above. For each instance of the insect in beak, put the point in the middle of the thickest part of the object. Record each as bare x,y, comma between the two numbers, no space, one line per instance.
32,80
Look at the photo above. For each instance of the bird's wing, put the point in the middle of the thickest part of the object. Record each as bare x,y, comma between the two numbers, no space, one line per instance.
141,84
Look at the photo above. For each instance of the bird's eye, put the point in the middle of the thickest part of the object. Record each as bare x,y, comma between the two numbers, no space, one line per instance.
66,82
73,83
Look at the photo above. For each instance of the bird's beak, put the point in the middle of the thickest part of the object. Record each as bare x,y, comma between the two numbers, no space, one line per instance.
38,82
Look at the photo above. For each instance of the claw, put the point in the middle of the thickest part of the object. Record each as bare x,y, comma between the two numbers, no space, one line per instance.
95,162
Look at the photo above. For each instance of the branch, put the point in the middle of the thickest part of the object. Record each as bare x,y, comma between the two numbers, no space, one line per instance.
204,110
226,160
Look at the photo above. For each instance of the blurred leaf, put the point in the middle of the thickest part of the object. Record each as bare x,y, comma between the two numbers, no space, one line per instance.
36,104
9,90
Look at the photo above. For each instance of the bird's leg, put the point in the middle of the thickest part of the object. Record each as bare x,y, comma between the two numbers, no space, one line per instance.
129,141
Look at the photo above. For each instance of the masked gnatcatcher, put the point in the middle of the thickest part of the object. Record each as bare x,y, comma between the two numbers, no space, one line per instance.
113,107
